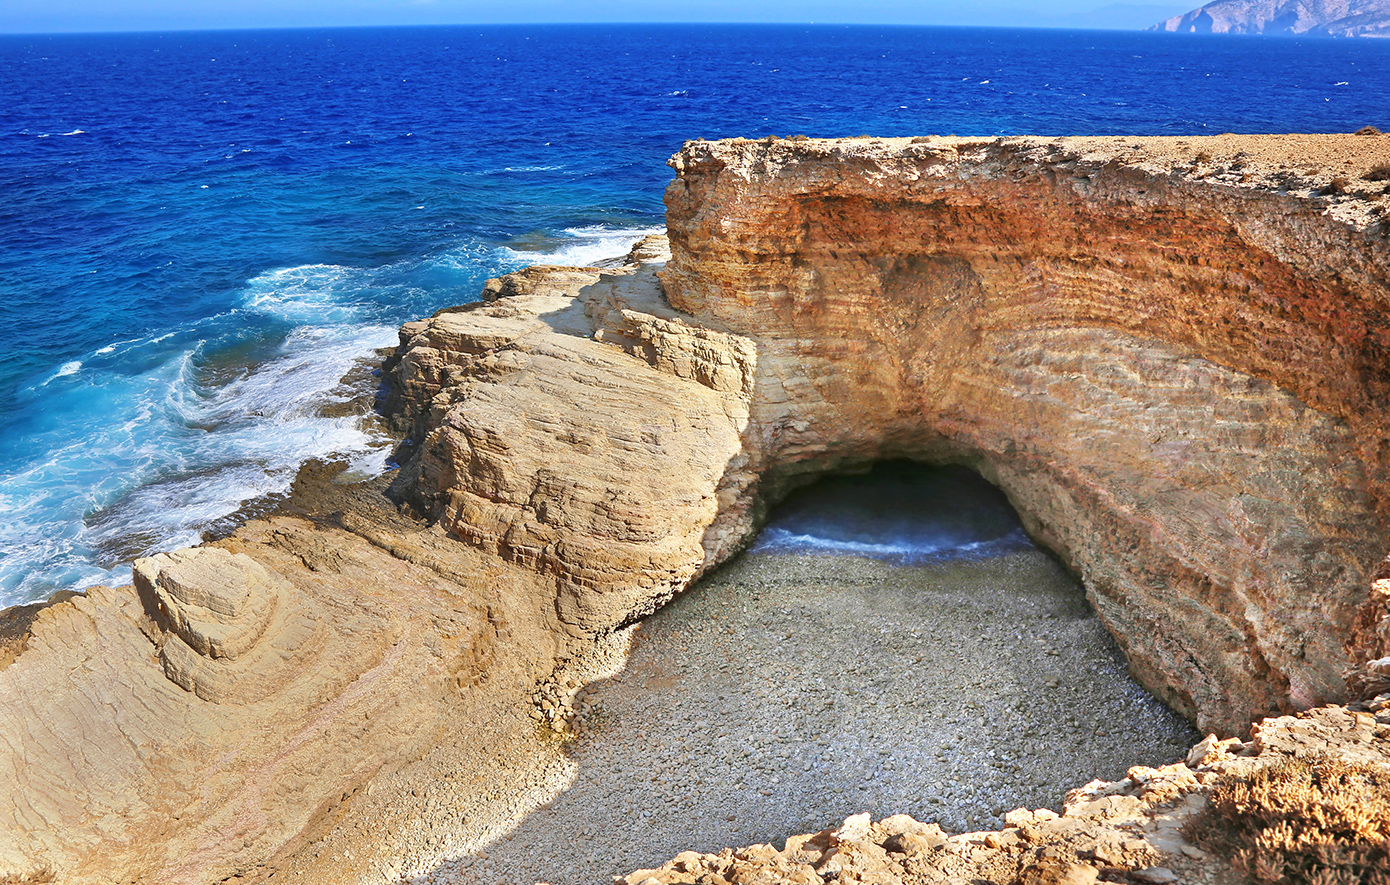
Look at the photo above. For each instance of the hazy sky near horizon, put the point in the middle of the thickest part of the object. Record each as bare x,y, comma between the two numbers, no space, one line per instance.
50,16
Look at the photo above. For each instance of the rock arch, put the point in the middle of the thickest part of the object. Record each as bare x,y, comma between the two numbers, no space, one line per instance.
1180,383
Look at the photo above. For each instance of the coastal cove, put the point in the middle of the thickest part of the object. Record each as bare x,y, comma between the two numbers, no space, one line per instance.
818,677
443,479
222,223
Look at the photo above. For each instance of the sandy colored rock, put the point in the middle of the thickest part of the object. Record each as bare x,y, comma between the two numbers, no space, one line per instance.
213,720
561,452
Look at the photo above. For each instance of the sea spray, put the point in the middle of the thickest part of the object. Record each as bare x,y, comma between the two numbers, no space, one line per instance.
185,427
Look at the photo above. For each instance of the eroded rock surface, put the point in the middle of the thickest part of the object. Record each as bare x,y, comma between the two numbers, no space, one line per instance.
219,717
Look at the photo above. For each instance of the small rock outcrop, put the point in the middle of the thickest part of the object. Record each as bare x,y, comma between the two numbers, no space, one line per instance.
235,634
540,438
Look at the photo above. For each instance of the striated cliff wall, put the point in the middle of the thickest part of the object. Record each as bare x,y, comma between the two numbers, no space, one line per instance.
1177,368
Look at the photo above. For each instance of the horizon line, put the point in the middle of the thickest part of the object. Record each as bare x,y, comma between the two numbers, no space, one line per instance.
399,25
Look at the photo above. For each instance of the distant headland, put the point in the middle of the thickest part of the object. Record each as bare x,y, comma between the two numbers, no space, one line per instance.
1313,18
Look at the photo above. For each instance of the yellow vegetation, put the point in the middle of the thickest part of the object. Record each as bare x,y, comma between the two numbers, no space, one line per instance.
1320,821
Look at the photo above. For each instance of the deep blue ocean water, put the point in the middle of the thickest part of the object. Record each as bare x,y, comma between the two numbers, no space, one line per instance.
201,232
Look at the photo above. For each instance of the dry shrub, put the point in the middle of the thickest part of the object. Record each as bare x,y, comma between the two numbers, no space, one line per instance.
1378,173
1320,821
1368,130
42,877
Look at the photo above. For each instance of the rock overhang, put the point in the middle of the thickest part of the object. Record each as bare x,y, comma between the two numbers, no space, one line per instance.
1177,374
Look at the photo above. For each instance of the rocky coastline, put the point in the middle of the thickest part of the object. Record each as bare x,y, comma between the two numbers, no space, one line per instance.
1320,18
1172,354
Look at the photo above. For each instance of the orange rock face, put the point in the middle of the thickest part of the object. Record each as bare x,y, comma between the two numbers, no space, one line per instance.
1176,366
1180,380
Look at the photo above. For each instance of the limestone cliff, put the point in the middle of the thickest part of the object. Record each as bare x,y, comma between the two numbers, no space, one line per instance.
1330,18
1175,366
1172,354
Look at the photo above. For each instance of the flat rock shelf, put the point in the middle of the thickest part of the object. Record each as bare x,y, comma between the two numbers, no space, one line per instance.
788,691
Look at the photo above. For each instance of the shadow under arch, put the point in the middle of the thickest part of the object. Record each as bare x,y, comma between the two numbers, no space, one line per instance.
1176,383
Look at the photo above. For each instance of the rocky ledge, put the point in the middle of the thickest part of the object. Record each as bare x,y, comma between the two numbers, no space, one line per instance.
1140,829
1172,354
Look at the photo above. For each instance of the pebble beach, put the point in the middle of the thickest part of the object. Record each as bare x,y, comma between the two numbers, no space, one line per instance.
789,691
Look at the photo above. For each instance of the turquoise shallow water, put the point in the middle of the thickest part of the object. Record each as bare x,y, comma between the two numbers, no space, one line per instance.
202,232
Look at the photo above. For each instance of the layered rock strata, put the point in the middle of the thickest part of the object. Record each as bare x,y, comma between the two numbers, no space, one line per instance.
1176,366
1171,354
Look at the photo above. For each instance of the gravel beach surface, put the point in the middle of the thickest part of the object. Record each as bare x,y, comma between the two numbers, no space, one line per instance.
789,691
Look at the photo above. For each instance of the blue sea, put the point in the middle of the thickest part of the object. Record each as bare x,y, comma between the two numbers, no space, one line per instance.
201,233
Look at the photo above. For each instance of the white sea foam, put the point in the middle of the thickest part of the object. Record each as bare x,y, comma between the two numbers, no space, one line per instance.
775,539
66,369
584,246
112,347
181,435
310,293
251,436
174,448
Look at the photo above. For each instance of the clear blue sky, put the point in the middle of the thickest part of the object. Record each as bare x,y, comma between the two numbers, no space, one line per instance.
39,16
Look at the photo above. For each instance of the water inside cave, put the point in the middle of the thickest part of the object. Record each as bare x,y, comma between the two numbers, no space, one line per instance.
893,642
